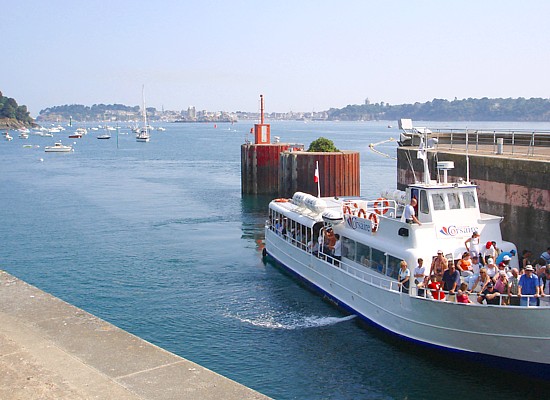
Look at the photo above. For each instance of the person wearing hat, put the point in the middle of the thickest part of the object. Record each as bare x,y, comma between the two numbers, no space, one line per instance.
492,269
528,286
505,255
490,295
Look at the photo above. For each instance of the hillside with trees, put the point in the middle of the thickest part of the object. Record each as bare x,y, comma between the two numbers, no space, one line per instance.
78,112
13,115
485,109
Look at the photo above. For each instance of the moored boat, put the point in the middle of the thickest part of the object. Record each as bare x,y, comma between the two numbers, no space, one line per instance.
375,237
58,147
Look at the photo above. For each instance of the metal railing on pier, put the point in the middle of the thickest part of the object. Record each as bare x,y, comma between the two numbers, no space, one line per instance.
497,141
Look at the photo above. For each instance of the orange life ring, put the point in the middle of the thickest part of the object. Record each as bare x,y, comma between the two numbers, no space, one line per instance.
381,206
347,210
362,214
281,200
374,222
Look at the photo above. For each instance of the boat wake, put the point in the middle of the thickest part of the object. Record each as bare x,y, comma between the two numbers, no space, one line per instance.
292,321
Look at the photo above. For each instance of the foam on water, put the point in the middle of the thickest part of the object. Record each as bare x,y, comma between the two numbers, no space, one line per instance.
291,321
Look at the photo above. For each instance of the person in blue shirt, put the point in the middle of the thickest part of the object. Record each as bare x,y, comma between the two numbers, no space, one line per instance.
528,285
451,281
546,256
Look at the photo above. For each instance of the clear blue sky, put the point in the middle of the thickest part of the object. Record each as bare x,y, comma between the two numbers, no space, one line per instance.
302,55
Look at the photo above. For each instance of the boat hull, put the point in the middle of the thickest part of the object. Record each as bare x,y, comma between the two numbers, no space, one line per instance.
474,330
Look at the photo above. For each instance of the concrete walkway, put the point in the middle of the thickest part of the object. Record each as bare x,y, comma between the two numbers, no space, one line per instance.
52,350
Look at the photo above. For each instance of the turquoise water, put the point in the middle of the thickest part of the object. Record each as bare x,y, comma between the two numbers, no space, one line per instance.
157,239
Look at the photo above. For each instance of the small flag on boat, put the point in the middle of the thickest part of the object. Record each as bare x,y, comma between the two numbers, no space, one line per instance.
316,176
316,179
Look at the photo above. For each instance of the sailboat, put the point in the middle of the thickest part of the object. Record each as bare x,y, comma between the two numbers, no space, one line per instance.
143,134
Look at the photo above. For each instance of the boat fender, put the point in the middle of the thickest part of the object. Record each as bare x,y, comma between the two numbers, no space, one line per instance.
381,206
264,252
374,222
362,214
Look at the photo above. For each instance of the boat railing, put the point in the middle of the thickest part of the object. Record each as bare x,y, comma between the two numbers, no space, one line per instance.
364,208
504,299
385,282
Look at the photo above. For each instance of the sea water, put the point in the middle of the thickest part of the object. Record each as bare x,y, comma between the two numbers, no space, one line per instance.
157,239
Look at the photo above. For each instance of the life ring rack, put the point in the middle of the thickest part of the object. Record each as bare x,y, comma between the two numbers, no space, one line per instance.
381,206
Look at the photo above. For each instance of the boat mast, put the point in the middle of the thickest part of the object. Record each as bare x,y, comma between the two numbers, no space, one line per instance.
144,109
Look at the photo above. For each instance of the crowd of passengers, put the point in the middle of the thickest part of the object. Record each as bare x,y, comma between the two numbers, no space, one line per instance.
485,274
483,271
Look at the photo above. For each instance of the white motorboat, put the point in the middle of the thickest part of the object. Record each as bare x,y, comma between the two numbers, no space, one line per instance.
58,147
375,238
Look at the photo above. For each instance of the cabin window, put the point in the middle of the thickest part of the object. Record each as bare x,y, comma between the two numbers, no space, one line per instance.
363,254
454,201
423,203
393,266
378,261
469,199
348,248
438,201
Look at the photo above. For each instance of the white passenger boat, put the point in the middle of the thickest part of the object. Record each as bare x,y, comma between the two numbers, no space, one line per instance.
58,147
375,238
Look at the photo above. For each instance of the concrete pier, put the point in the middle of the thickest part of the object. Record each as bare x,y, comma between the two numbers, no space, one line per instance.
52,350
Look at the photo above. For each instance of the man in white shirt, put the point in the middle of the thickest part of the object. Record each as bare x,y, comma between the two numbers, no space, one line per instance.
410,214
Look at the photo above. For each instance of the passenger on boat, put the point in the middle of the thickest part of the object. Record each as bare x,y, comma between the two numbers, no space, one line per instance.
476,266
410,214
451,281
505,254
504,265
501,283
545,288
489,295
439,265
329,241
472,244
528,285
313,247
546,256
435,290
540,267
513,288
492,269
462,294
420,277
465,265
337,250
489,252
482,280
525,260
404,277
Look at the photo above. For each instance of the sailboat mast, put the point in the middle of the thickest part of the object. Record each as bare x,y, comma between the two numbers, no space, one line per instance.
144,109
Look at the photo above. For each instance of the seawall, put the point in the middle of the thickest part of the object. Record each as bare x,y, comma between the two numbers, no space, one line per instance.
50,349
515,186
